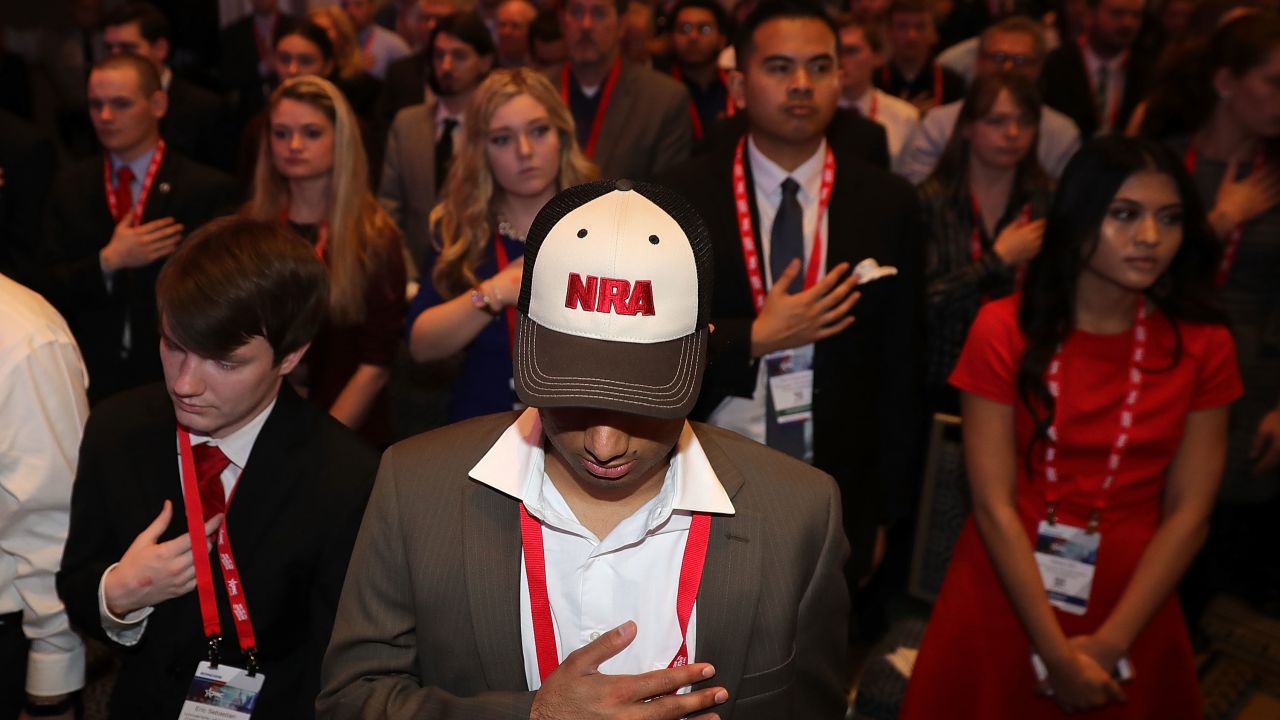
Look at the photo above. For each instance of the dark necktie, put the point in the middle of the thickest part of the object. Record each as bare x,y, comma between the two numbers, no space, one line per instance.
124,192
786,243
444,151
210,462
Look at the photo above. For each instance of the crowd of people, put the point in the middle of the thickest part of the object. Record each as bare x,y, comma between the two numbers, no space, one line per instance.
637,241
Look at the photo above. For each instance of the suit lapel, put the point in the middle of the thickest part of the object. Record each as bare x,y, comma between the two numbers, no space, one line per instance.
727,597
160,199
269,479
157,468
491,558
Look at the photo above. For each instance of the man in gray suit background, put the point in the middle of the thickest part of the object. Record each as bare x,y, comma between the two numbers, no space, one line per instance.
597,553
632,121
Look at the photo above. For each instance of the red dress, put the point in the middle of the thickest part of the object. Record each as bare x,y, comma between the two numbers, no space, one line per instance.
975,659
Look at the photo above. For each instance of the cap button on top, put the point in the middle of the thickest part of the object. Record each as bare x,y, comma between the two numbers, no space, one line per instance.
623,184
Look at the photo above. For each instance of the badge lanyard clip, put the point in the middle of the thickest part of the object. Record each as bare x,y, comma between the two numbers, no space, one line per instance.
215,650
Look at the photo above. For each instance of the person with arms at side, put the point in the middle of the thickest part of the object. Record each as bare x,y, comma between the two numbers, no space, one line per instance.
1095,79
222,454
380,46
1095,430
111,221
984,208
196,123
1234,159
43,409
861,51
246,65
312,175
715,561
1014,45
699,32
911,72
461,57
511,34
519,154
632,121
802,231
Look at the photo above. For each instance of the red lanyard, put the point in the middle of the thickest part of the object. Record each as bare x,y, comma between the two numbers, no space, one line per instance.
605,96
204,571
140,202
368,40
1054,381
1232,245
1112,111
264,43
322,232
747,230
875,105
535,566
729,107
887,80
500,249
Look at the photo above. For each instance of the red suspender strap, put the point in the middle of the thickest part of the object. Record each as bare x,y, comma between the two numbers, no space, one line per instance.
204,572
535,565
606,95
500,249
140,202
746,228
1231,243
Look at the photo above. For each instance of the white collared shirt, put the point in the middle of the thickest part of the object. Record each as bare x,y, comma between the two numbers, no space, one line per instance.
746,416
236,446
443,114
596,584
898,117
1115,84
384,46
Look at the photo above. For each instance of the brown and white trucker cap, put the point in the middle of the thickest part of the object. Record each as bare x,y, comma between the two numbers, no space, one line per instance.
614,302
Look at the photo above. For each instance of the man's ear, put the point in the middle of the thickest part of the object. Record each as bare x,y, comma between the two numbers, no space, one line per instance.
160,50
738,88
159,104
1224,83
290,361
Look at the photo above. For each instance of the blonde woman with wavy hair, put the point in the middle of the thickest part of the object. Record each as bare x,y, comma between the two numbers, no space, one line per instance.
518,150
312,174
346,50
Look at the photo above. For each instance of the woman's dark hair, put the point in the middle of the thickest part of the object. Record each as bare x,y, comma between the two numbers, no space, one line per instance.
1185,97
1085,192
312,32
953,165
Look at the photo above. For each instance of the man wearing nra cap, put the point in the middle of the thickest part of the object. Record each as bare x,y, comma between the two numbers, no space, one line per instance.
597,555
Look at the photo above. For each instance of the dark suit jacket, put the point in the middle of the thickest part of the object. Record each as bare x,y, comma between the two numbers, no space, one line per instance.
78,225
292,523
1066,87
849,134
198,124
429,622
866,379
239,66
646,130
29,160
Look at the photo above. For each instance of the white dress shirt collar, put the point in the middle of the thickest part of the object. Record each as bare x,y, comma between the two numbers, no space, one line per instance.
768,175
138,165
515,466
239,444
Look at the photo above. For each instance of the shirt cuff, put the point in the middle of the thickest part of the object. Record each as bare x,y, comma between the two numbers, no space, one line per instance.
128,630
53,670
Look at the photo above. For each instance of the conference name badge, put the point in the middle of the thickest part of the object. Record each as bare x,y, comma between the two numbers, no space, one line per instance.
790,374
1068,557
224,692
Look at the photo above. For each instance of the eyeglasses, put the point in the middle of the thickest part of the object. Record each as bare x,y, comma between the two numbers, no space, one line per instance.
1003,58
690,28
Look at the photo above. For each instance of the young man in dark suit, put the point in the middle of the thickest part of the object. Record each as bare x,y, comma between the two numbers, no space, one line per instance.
112,219
1097,80
223,455
804,235
670,554
245,66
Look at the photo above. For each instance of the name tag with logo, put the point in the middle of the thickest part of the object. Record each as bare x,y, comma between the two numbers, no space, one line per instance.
222,693
790,374
1068,557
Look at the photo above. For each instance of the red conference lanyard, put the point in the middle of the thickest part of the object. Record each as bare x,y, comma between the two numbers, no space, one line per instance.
500,249
264,43
368,40
535,566
874,111
975,236
1232,241
606,94
1112,111
746,229
887,80
140,202
322,232
204,571
1054,381
729,107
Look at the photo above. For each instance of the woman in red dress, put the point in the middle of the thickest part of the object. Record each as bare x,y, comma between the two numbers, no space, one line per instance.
1095,417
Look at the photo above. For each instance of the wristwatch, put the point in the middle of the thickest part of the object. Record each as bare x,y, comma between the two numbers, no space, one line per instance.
480,301
63,706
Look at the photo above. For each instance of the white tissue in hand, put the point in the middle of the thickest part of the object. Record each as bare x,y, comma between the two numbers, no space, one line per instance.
869,270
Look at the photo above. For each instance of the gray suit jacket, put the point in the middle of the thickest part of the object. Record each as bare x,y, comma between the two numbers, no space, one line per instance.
646,130
408,185
429,621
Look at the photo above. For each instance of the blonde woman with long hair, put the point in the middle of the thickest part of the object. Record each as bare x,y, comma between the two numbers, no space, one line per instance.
351,68
519,150
312,174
